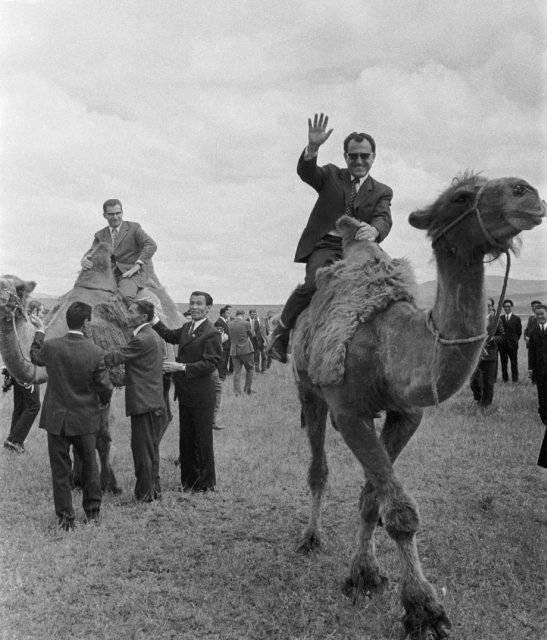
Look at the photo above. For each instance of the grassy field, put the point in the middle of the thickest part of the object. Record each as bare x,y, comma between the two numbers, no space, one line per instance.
223,566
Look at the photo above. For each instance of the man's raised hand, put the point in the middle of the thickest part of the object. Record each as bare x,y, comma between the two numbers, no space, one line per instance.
317,131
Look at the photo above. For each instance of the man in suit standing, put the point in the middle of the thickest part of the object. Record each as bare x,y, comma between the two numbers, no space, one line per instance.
350,191
512,330
537,370
258,330
78,384
222,325
484,376
198,355
242,352
133,250
143,360
532,321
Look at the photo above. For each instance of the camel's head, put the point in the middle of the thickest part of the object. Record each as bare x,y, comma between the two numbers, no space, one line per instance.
101,275
14,294
357,251
476,216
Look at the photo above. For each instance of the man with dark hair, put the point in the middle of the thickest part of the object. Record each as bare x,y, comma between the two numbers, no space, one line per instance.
484,377
532,321
242,352
350,191
198,355
222,325
133,250
537,370
78,385
258,330
512,330
144,403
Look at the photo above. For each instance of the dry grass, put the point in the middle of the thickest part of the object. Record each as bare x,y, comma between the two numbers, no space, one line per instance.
223,565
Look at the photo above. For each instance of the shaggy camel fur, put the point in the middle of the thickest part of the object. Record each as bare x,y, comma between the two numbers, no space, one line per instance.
96,287
401,360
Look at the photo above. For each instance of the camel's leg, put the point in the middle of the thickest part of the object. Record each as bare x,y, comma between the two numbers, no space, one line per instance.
315,417
103,440
425,618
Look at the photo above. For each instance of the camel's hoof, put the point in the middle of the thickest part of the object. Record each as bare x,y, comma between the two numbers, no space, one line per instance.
115,491
366,586
309,543
438,628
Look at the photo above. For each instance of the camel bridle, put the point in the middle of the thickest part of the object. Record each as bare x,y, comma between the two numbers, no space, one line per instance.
13,308
474,208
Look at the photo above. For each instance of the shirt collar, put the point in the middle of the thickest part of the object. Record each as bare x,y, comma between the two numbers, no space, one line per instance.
140,327
76,332
198,322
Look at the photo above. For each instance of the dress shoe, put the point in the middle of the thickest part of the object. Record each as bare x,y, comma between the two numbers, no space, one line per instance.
279,343
250,391
14,447
217,427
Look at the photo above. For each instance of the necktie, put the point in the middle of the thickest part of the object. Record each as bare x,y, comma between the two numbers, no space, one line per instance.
353,195
542,326
507,317
191,329
114,236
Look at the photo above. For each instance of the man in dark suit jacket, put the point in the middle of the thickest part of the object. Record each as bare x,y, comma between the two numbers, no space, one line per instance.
537,370
143,359
350,191
77,384
198,355
242,352
531,322
258,330
222,325
484,376
133,250
512,330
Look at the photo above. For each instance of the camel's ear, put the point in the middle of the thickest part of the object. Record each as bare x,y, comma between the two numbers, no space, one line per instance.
420,219
25,287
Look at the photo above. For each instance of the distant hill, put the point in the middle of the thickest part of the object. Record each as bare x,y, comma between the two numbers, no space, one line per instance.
520,291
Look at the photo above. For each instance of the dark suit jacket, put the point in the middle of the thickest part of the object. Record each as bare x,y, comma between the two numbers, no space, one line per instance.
372,204
490,351
221,322
143,360
537,353
201,352
512,331
77,382
258,340
132,244
531,323
241,337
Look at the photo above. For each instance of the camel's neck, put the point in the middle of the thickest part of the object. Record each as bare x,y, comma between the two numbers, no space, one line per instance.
15,339
459,310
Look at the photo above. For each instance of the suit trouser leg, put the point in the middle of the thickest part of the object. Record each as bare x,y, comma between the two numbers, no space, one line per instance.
218,393
504,357
26,405
145,429
197,460
300,298
60,463
237,374
513,357
248,363
475,384
91,482
127,287
488,378
541,383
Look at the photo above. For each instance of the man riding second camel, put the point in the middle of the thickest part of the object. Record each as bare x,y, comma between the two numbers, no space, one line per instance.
133,250
350,191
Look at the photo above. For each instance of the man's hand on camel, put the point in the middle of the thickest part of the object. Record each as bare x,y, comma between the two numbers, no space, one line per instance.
132,271
37,322
86,263
317,131
367,232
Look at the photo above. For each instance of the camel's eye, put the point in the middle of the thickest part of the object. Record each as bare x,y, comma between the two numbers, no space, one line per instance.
461,198
519,190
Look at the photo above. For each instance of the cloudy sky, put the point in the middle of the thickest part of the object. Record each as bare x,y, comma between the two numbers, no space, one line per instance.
194,115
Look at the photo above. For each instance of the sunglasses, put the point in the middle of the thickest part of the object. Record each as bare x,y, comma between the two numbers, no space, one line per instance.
356,156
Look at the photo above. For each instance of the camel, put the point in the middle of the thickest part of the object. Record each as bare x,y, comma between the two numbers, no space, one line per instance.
97,287
401,359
